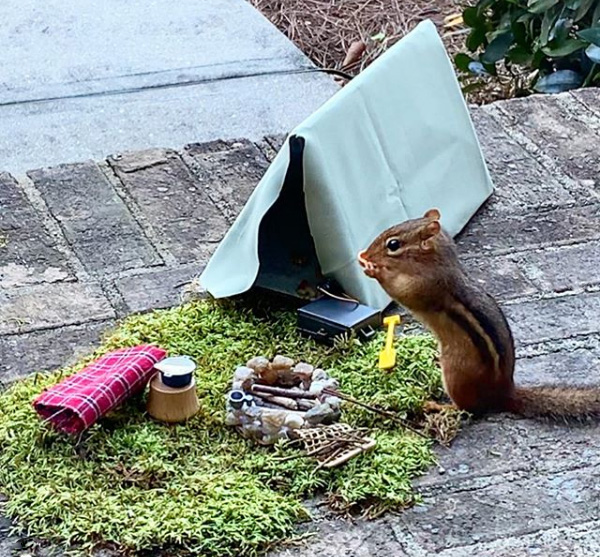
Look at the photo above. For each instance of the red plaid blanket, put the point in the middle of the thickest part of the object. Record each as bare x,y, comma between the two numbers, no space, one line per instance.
80,400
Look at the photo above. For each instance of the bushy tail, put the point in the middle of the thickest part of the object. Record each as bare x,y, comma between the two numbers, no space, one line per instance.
568,403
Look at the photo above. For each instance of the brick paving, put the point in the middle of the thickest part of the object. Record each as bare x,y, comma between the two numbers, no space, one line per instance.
86,244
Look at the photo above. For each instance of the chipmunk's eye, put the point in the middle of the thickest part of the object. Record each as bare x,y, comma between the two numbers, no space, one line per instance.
393,244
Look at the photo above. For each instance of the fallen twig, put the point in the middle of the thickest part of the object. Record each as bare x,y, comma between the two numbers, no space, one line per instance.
376,410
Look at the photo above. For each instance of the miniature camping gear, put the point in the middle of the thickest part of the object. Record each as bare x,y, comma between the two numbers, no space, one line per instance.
176,371
270,400
335,444
396,141
326,319
80,400
172,404
387,357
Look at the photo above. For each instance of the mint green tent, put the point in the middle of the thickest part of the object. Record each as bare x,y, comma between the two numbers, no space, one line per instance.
394,142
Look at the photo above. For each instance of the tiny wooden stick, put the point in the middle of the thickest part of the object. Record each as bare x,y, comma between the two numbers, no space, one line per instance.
278,391
390,415
306,404
283,402
314,452
349,455
333,454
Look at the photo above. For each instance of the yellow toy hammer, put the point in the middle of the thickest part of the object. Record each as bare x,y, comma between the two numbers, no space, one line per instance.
387,357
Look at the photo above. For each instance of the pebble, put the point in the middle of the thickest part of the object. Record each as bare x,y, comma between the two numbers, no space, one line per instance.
294,421
258,363
304,369
282,362
321,414
319,374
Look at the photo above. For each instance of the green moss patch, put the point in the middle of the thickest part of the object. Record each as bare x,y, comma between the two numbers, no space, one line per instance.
200,487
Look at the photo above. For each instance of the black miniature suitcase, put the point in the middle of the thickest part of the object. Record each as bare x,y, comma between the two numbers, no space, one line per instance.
326,319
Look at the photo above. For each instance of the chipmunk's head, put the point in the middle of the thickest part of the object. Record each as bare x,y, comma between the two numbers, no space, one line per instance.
405,257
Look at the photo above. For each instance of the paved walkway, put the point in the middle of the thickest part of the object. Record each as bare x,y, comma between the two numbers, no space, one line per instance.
83,80
87,243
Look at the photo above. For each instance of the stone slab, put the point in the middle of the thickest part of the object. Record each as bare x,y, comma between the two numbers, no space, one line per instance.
558,133
564,268
588,97
159,288
503,509
578,367
355,539
9,545
229,171
44,306
271,145
276,141
555,318
132,161
512,233
489,448
48,350
95,220
28,253
521,182
580,540
588,113
500,276
172,201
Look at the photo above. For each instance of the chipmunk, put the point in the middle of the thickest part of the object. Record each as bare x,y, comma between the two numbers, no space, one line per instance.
416,263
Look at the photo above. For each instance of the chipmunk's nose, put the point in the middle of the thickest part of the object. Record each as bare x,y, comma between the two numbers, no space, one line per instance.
368,267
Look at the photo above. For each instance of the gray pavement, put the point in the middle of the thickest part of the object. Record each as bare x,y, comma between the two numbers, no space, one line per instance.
83,80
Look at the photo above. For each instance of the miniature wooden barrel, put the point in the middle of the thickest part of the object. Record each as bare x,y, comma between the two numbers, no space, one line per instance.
169,404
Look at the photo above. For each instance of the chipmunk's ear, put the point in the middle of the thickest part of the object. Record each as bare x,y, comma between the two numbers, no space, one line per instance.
432,214
428,233
430,230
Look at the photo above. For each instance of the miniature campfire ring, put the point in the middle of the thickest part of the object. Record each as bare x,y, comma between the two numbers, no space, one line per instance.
282,399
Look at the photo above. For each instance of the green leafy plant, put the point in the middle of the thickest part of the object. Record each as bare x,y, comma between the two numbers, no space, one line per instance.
199,487
556,42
